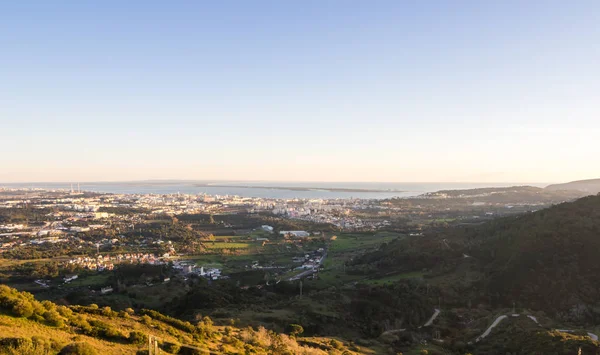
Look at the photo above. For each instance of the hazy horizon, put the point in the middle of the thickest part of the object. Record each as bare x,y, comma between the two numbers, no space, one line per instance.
454,91
239,181
166,180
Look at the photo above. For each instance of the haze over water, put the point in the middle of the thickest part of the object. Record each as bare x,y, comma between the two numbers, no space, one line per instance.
315,190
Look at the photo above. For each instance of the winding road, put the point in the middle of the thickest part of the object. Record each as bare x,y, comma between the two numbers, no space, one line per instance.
533,318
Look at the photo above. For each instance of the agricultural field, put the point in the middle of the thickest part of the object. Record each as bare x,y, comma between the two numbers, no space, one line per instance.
345,246
227,245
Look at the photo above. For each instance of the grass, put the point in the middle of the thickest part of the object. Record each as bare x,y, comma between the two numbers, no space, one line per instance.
233,237
345,247
91,280
348,242
20,327
396,277
225,245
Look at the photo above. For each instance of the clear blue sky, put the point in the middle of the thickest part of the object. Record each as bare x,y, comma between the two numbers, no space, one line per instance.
315,90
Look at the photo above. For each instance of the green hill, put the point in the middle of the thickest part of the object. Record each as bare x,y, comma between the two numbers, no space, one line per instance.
29,327
546,260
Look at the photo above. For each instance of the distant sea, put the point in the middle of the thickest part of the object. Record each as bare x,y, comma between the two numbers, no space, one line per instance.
301,190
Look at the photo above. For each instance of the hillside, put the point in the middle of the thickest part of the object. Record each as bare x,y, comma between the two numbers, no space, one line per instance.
29,327
513,194
591,186
545,260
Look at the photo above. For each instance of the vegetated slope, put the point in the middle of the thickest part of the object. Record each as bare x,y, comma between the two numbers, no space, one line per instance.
522,336
546,260
29,327
513,194
591,186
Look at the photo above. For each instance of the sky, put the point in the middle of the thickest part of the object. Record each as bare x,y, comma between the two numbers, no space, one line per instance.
311,90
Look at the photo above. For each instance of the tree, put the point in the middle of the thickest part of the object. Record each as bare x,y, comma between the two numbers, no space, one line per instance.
295,329
78,349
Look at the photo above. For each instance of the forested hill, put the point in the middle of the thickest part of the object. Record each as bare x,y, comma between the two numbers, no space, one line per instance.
591,186
545,260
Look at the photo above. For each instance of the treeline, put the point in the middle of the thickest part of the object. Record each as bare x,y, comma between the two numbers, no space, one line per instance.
23,215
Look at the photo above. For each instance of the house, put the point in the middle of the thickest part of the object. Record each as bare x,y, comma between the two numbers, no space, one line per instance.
297,234
267,228
70,278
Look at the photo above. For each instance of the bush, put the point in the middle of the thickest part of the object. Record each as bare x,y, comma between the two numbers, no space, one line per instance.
177,323
136,337
295,329
22,308
336,344
54,319
65,311
12,344
48,305
171,347
78,349
114,334
107,312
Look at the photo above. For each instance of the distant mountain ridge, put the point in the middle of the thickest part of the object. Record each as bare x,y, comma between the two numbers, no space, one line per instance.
591,186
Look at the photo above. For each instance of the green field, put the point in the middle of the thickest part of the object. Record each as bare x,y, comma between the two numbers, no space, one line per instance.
96,280
232,237
346,246
349,242
225,245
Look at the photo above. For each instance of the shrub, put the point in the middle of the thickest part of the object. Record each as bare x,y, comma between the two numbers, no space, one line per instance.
22,308
107,312
136,337
78,349
7,344
48,305
54,319
171,347
177,323
146,319
112,333
65,311
336,344
295,329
